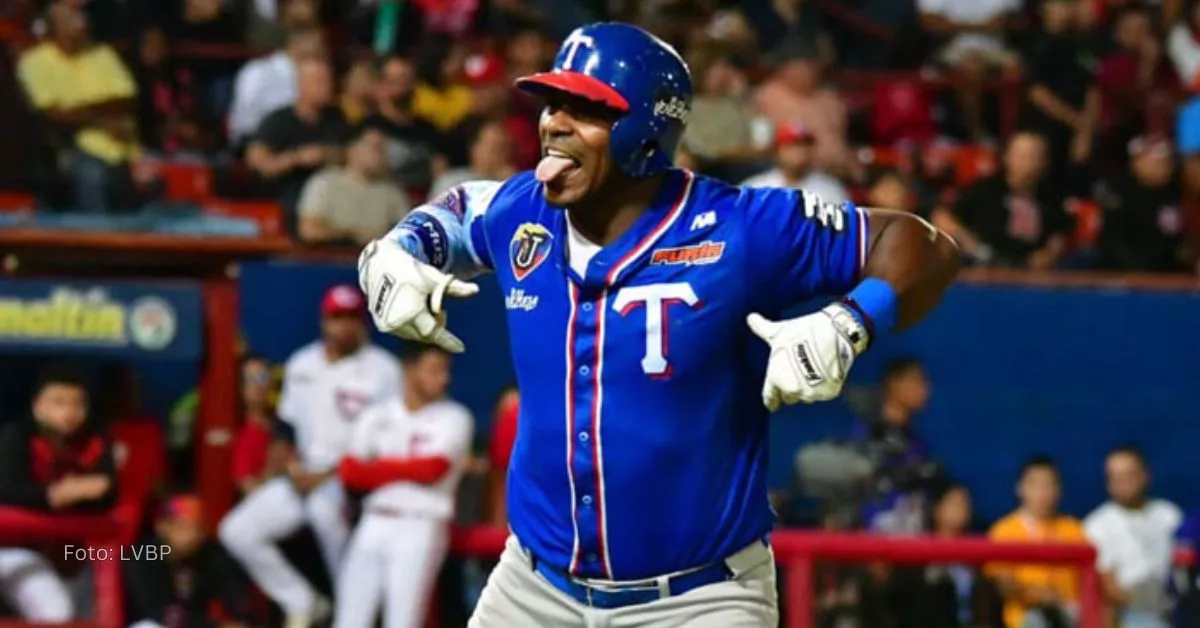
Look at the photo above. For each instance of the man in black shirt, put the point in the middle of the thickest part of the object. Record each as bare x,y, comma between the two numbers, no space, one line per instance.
1014,219
1063,99
294,142
1143,224
415,152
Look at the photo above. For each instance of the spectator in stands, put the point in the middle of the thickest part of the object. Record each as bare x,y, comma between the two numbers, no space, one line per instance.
527,51
1129,78
169,117
214,23
354,203
491,94
270,21
1063,101
1038,595
947,596
294,142
1143,226
84,88
1015,218
504,434
903,470
1133,535
722,128
775,22
415,153
971,36
794,93
195,584
56,462
796,148
442,96
891,189
257,456
269,83
490,157
358,91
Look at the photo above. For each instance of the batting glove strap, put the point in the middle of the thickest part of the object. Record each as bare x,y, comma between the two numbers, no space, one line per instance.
851,325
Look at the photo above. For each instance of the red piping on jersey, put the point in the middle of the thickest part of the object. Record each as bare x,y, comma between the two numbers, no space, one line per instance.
597,453
368,475
657,232
573,300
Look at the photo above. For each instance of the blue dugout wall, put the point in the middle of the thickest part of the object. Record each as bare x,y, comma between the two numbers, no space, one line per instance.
1015,370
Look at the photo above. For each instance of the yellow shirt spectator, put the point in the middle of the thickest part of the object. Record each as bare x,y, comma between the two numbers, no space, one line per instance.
445,107
55,80
1063,581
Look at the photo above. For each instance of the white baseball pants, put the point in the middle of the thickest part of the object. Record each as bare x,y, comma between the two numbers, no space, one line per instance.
516,595
392,559
33,588
252,530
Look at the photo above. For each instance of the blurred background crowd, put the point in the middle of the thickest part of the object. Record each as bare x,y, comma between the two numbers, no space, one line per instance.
1043,134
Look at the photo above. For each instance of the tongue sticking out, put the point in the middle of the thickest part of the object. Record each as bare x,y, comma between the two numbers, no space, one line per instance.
551,167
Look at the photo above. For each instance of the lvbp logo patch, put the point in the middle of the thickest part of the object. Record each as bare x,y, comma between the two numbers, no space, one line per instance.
671,106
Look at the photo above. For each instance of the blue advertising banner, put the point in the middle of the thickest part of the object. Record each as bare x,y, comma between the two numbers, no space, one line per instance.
125,320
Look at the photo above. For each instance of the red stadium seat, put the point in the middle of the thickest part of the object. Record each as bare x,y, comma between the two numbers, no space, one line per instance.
973,162
140,453
268,215
187,182
1088,220
16,202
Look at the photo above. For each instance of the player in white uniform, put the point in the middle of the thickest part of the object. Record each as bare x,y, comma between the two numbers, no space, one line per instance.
409,453
326,386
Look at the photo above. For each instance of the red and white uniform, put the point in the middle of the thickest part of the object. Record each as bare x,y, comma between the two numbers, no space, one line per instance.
322,399
411,462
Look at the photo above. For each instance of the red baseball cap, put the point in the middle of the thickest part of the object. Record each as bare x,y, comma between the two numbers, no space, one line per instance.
793,133
484,70
184,508
342,300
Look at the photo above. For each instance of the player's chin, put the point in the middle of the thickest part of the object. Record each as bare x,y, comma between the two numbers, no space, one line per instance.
565,193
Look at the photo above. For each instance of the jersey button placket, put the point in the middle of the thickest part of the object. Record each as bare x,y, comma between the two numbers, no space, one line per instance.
584,460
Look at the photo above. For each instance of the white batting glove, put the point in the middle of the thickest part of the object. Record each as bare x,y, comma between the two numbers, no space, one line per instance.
810,355
405,295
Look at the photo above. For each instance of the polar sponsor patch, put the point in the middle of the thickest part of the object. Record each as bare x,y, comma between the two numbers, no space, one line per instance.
435,243
452,200
671,106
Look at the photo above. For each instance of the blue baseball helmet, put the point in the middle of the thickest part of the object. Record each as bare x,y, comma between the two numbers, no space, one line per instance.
633,72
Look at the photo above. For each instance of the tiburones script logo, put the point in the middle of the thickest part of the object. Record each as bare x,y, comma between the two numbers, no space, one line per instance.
671,106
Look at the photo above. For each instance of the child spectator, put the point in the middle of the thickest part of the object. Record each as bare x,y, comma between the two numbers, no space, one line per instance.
1038,595
796,150
56,463
195,584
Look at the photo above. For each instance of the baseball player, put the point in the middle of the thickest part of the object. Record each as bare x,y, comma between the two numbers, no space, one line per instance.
409,453
643,305
327,384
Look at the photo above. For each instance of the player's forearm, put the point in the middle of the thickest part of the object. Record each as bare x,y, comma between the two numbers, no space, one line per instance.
438,238
367,475
912,258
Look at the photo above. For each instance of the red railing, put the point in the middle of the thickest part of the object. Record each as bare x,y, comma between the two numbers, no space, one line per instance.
99,534
797,552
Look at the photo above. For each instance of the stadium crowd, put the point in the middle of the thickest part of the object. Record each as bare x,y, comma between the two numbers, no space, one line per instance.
348,113
1056,134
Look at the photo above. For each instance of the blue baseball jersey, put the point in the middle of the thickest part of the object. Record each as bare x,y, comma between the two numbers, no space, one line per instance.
641,444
